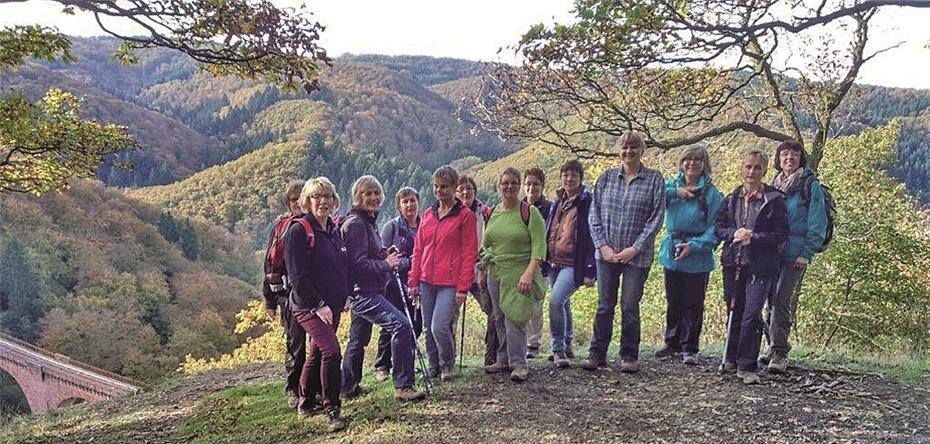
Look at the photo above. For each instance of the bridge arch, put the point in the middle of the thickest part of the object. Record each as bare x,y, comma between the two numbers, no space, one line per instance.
12,396
49,380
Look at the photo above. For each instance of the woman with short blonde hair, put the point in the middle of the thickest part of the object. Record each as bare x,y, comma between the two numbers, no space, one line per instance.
318,185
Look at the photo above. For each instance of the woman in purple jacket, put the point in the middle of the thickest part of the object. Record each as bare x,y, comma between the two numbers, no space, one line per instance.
317,268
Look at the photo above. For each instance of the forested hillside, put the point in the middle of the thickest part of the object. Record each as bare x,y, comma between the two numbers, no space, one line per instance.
169,150
117,283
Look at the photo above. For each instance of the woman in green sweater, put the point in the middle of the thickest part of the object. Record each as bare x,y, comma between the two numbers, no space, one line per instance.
512,249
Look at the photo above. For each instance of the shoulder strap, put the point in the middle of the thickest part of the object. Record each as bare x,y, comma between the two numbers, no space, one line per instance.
806,188
525,212
311,237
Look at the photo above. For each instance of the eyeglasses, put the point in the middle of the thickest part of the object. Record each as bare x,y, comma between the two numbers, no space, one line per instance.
293,199
571,175
513,184
465,189
693,159
322,196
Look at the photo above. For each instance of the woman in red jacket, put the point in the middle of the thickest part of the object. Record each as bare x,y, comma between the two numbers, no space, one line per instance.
442,268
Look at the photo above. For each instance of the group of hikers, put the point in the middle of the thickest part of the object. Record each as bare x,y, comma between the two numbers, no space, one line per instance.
414,274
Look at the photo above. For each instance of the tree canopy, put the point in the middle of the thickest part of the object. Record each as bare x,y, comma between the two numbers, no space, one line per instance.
43,144
682,71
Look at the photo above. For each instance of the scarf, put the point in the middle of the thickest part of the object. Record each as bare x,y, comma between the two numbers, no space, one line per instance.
784,183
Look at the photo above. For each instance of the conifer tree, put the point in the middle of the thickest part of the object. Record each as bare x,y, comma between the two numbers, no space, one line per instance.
20,285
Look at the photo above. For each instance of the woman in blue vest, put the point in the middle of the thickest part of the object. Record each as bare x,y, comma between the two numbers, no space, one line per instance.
807,228
687,251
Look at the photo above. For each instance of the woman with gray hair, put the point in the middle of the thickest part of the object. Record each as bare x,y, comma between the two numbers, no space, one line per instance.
687,251
371,267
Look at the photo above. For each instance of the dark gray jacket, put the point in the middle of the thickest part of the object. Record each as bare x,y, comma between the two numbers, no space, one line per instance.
368,271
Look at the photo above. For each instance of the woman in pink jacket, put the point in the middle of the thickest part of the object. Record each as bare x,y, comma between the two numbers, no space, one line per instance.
442,268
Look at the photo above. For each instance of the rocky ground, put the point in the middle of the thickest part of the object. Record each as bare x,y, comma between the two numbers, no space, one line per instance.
665,402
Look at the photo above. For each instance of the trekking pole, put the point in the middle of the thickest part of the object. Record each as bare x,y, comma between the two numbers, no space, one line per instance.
462,339
731,306
427,385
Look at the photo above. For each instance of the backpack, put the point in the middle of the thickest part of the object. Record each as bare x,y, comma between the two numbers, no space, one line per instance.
275,253
829,205
524,212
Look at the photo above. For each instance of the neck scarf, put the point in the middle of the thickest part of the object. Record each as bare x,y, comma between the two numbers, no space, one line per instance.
785,182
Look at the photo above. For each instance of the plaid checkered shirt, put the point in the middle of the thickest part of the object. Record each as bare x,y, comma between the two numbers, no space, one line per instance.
628,214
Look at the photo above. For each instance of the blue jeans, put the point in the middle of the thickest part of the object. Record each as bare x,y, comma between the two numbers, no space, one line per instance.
366,310
631,292
439,314
562,281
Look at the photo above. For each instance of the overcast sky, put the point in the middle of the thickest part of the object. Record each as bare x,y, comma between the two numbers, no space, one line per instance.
476,29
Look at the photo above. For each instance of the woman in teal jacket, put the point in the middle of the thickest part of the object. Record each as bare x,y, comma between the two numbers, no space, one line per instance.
807,228
687,251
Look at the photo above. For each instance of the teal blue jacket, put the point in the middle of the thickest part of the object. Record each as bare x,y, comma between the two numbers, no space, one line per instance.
807,224
686,217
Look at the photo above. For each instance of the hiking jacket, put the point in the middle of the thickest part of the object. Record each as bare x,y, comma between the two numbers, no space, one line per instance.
807,221
396,232
446,249
768,235
583,262
319,276
692,221
368,268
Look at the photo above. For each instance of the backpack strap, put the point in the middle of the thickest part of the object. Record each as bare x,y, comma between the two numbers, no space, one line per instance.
806,189
524,212
311,237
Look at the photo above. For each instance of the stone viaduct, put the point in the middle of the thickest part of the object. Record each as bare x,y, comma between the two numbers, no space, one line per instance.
51,380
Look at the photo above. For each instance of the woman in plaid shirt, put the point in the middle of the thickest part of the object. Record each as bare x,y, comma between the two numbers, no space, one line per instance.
626,214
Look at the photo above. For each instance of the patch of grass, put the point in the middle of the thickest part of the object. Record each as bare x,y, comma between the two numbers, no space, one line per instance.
900,366
259,413
251,413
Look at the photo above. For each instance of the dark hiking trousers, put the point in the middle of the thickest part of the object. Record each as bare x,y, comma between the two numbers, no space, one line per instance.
750,292
631,292
321,374
491,343
684,316
295,340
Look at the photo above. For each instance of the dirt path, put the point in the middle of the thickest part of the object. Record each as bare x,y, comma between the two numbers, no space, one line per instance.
665,402
670,402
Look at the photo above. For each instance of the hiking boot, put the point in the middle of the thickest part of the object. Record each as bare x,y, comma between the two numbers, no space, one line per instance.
433,373
667,351
496,368
561,360
728,367
356,392
765,357
778,364
292,398
689,359
446,375
408,394
569,353
748,377
310,409
593,363
382,374
532,352
520,374
336,421
629,366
